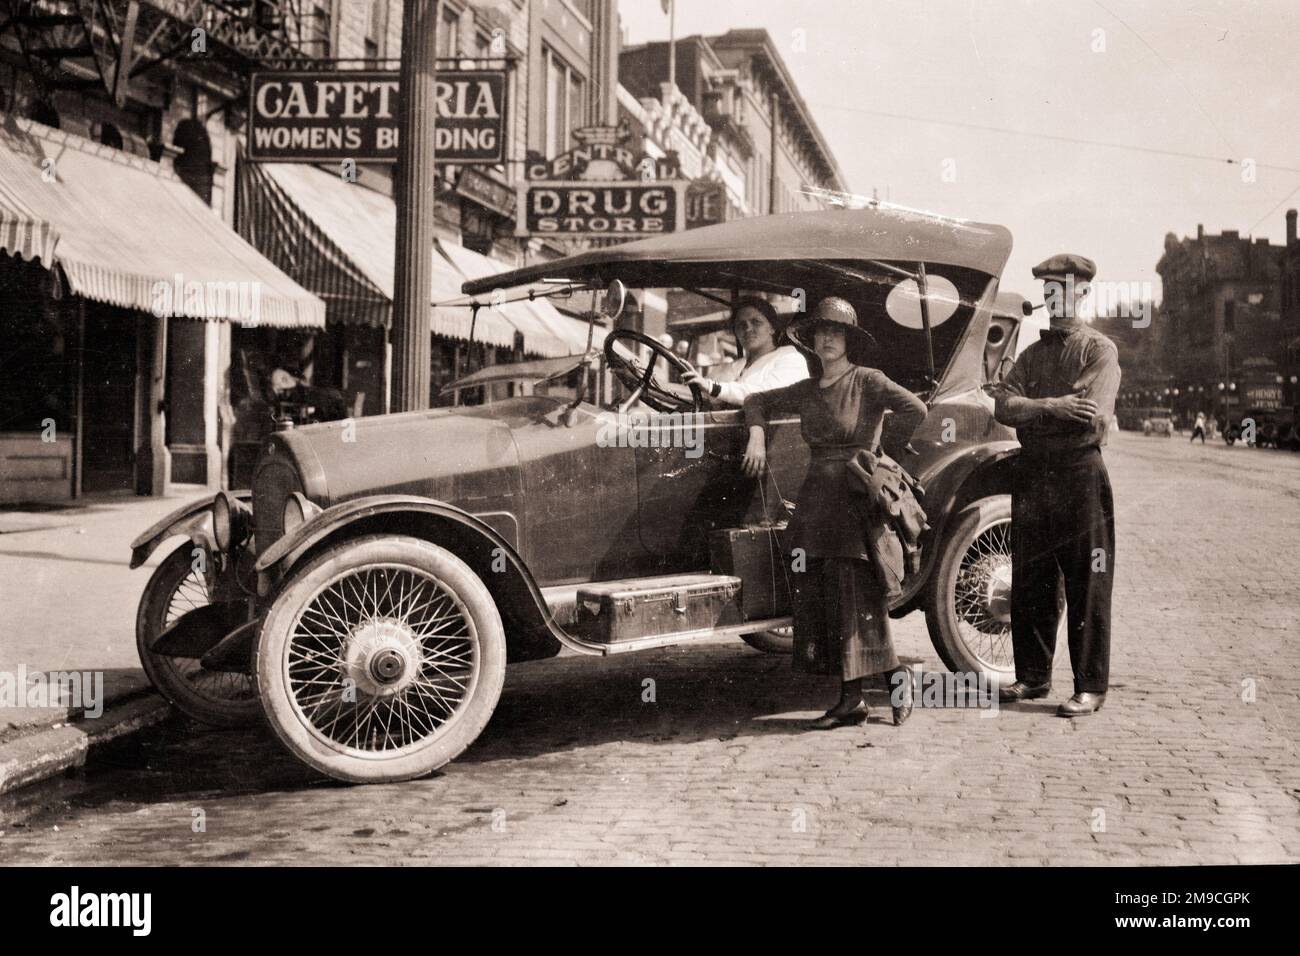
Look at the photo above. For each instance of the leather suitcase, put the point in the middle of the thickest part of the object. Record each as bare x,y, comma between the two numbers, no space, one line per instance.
653,607
755,555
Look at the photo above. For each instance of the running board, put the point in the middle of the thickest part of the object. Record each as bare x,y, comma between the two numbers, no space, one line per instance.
667,640
632,614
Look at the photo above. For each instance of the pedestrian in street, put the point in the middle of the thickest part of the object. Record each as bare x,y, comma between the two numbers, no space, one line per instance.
1060,397
841,602
1198,428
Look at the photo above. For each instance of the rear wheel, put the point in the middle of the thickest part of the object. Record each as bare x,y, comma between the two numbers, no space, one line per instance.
777,640
217,697
381,660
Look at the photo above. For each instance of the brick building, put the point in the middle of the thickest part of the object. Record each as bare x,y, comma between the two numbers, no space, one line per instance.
1221,319
1289,294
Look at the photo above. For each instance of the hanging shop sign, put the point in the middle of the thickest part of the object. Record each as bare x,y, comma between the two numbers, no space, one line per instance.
600,188
487,192
706,204
320,117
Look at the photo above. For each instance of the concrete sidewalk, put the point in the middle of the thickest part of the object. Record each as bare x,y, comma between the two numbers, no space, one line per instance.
68,603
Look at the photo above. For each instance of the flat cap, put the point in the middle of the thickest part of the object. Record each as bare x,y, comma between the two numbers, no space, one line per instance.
1066,264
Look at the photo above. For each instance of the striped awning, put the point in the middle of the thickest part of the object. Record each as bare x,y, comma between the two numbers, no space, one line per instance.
127,232
337,239
546,331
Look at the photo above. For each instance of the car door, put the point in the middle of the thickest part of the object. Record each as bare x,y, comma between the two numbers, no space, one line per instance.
689,481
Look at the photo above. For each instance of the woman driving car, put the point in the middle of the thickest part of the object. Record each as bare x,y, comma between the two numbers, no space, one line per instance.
763,364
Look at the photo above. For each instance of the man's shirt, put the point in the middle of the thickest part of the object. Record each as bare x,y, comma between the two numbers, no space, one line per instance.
1068,358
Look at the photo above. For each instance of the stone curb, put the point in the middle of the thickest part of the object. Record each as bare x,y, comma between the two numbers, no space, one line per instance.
51,749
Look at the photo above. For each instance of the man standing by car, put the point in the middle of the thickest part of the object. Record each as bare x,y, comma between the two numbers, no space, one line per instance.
1060,398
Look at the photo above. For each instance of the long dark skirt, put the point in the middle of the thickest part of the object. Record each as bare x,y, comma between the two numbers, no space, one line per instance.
841,620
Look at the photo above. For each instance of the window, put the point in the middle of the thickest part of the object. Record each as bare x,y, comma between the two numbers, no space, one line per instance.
448,39
376,27
309,25
564,107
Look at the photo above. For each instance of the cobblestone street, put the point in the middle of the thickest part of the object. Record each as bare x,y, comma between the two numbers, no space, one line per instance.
1194,759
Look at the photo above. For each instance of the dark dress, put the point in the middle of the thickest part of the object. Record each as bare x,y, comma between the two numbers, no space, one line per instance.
841,613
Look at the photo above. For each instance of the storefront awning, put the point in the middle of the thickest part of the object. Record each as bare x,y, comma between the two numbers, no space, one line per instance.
127,232
546,331
337,238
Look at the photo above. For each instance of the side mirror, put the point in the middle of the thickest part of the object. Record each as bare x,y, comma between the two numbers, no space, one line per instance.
615,299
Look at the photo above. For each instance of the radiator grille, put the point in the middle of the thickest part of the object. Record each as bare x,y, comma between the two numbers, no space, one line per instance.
273,483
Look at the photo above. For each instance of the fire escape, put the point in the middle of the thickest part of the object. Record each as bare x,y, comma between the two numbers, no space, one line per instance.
105,44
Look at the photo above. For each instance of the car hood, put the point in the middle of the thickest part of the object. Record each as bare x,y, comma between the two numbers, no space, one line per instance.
465,456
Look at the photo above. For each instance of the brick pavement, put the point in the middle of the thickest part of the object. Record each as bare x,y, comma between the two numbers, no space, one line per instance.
576,769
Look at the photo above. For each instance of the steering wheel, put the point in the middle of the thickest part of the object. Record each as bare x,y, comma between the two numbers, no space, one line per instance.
642,380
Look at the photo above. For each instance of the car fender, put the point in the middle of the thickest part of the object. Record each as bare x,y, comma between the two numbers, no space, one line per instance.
517,593
944,480
194,520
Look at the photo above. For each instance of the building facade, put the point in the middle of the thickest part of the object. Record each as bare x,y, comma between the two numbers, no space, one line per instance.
744,138
1289,294
167,82
766,144
1221,322
121,135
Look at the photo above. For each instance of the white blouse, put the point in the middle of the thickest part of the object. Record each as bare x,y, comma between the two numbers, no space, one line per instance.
780,367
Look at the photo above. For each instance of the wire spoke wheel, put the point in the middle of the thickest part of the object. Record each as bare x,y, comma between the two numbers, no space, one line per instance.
968,598
982,596
381,658
217,697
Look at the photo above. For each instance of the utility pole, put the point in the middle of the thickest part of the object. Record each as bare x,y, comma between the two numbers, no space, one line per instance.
413,278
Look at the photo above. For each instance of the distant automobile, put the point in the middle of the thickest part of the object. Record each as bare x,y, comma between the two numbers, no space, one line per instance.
1264,428
1158,421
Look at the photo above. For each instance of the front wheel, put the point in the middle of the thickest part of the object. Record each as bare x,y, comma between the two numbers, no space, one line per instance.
381,660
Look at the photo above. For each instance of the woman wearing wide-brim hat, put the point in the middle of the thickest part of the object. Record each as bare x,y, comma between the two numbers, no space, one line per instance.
841,604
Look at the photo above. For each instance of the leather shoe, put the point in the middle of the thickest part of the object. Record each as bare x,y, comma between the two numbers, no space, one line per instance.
837,717
1081,705
901,689
1021,690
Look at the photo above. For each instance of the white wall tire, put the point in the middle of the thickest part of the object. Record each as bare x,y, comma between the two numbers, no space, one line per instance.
381,660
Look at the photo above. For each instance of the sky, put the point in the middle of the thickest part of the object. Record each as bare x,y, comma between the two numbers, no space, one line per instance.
1121,114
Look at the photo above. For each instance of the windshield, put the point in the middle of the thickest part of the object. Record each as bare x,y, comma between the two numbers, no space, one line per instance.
696,321
693,320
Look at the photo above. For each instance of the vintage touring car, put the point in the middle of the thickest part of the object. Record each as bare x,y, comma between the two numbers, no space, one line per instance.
368,592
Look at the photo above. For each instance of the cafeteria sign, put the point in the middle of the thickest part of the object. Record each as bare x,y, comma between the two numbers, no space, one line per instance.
317,117
600,188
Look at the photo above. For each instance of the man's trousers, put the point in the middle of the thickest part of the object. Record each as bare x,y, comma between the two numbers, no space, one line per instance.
1062,528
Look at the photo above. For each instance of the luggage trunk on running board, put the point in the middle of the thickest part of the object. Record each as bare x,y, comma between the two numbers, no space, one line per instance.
615,611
